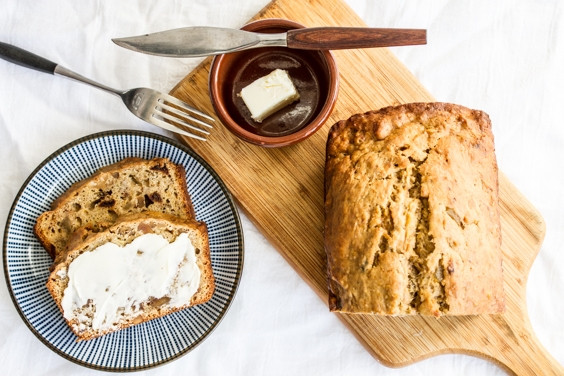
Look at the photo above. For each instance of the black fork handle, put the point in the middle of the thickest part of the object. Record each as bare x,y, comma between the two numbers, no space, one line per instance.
26,59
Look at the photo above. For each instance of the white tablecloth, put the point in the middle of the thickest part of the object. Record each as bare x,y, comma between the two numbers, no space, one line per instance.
504,57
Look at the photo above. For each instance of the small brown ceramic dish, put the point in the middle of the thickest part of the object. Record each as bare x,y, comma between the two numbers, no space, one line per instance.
314,73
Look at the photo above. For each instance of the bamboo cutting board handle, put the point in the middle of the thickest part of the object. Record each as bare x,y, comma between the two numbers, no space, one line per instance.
529,357
281,191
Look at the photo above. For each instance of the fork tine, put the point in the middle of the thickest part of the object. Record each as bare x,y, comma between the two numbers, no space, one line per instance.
184,115
163,124
179,121
179,103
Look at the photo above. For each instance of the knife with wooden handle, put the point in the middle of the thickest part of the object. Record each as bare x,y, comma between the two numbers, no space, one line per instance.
205,41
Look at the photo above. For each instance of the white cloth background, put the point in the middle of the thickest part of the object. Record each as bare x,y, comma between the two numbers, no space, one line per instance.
504,57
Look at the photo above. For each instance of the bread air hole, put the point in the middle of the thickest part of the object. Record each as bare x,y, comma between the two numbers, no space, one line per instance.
134,180
161,168
148,201
113,215
159,302
66,224
128,205
156,197
140,201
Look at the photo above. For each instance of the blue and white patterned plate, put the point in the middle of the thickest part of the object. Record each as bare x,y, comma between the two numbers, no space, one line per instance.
26,263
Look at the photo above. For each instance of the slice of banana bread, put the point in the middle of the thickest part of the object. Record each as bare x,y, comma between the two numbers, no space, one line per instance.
132,185
412,219
144,266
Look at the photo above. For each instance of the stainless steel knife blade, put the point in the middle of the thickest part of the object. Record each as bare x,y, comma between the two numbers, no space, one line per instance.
199,41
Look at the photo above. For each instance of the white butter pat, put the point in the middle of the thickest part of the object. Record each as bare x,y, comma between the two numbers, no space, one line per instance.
269,94
111,281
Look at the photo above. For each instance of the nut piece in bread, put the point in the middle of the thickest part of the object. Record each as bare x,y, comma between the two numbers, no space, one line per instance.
132,185
412,219
102,313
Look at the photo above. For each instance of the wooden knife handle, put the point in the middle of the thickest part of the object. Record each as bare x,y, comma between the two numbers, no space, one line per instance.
339,38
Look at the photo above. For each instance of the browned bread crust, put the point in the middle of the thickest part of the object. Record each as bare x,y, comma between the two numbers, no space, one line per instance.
412,219
132,185
123,232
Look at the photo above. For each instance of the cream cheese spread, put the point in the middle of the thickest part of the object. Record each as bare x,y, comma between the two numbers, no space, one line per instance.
112,281
269,94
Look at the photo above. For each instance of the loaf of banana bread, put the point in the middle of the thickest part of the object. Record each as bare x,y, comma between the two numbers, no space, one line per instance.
411,212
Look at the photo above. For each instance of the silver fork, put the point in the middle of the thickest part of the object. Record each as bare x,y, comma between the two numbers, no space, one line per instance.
147,104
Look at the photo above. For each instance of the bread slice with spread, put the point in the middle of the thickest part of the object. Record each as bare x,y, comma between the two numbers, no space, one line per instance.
142,267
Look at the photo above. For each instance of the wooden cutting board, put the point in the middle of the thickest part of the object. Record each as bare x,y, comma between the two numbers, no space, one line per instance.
281,191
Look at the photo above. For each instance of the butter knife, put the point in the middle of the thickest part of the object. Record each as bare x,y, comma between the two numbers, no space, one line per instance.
204,41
